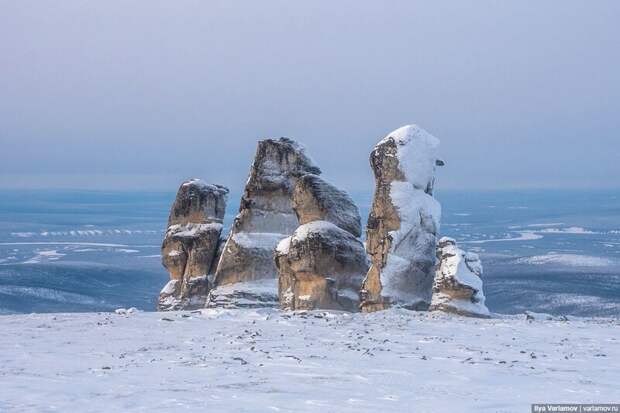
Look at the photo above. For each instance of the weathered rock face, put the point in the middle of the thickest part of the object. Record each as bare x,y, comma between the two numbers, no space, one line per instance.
403,222
198,203
316,200
191,243
458,286
320,266
323,263
265,214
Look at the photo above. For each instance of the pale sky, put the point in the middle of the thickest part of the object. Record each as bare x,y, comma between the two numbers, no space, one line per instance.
142,94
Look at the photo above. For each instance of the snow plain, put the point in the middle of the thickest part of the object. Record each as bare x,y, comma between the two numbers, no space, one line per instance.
269,361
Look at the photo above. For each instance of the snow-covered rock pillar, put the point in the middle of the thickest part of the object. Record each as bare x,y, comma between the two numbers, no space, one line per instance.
404,221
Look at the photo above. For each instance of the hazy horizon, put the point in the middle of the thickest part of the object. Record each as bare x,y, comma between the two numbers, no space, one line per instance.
143,95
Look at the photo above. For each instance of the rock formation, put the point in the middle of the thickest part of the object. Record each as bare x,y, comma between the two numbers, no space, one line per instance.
191,243
316,200
403,222
458,286
265,217
323,263
321,266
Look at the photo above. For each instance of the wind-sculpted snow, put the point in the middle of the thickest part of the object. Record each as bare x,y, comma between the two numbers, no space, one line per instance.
260,360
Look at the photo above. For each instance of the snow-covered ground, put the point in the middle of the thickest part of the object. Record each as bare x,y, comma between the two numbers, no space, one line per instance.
266,360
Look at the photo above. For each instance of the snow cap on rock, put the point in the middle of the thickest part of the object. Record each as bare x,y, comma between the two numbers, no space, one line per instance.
417,154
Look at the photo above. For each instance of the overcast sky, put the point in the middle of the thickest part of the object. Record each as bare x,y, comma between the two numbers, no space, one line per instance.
142,94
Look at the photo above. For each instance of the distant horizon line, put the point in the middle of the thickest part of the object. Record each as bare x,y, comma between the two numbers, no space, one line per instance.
369,190
170,182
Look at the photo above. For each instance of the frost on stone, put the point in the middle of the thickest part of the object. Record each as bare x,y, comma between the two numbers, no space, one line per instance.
458,283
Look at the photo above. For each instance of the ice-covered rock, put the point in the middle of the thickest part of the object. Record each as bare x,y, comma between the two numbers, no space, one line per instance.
403,222
458,284
191,243
265,214
320,266
316,200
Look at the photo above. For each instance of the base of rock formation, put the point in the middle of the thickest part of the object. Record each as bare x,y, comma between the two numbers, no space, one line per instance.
248,256
250,294
190,294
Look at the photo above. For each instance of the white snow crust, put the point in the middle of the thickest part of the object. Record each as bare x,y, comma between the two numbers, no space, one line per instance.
412,204
266,360
284,246
170,287
302,232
